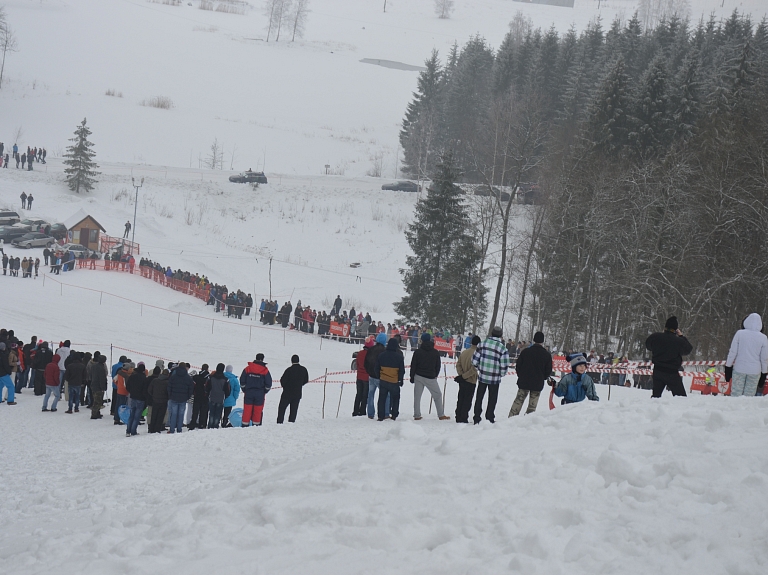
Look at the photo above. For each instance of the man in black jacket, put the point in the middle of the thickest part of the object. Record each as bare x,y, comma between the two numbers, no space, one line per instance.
667,349
74,375
98,386
534,366
293,379
425,367
137,390
200,399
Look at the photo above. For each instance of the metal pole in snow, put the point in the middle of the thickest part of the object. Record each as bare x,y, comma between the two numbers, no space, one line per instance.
325,381
445,383
341,392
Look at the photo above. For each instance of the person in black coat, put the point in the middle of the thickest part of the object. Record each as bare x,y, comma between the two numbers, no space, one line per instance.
425,367
534,366
136,385
667,349
200,402
293,379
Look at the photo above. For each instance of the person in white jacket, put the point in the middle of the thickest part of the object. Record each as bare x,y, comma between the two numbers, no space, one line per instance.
747,362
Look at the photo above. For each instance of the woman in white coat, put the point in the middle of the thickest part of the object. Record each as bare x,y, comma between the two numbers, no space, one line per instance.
747,362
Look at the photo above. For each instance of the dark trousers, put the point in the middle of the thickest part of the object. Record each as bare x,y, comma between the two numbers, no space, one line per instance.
464,403
225,417
118,401
199,414
361,399
493,396
285,401
158,415
391,390
669,380
113,404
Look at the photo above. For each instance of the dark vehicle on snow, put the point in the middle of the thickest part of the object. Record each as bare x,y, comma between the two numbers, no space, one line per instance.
529,194
401,186
486,191
249,177
10,233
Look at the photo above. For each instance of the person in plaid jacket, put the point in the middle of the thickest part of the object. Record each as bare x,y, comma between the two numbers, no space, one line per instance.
492,361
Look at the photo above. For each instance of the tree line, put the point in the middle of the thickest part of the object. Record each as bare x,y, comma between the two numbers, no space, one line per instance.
649,146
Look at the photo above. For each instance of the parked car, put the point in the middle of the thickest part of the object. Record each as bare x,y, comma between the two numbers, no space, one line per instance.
249,177
34,240
529,194
402,186
9,218
495,192
31,225
77,249
10,233
58,231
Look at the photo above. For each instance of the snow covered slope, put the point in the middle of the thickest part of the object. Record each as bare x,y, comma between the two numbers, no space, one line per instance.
630,486
289,107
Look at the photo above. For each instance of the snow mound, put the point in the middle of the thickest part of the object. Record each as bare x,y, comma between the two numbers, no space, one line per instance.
633,486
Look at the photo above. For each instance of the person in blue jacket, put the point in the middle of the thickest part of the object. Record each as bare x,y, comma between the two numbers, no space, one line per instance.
231,399
577,385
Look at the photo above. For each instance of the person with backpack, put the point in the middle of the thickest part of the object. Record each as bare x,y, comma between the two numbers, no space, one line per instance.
389,371
577,385
255,381
218,390
534,366
467,379
371,358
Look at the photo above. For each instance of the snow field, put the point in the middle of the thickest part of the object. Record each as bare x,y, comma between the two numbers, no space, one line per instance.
630,486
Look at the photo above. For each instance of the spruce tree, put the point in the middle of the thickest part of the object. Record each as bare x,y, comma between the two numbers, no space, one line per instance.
441,275
420,134
79,156
608,123
650,134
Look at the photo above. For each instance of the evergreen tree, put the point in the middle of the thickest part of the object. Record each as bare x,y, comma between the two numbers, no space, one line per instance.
608,123
420,134
504,66
79,156
684,102
650,133
441,275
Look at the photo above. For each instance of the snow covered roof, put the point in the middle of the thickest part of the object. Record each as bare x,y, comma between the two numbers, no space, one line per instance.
78,217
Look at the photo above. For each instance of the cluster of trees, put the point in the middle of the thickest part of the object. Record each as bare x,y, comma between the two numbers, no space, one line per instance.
650,145
286,16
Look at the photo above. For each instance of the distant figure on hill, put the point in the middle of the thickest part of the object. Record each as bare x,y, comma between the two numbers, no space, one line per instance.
127,229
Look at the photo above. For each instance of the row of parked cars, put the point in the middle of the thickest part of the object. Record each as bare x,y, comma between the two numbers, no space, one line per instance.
26,234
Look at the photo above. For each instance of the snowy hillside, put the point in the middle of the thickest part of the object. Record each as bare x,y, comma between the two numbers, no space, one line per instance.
289,107
628,486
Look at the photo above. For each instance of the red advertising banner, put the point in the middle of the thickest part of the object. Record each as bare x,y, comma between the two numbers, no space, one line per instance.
339,329
446,346
710,384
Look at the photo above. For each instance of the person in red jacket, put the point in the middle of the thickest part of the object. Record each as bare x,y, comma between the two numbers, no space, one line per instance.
255,381
361,399
52,383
